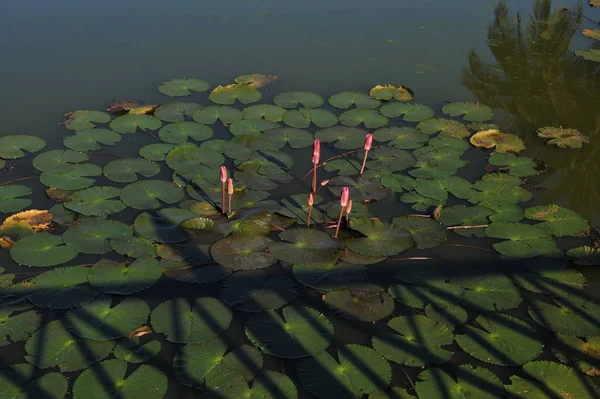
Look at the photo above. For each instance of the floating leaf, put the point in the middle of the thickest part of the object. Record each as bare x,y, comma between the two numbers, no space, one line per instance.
100,321
79,176
81,120
303,246
13,146
582,355
446,127
505,212
9,198
503,340
146,194
268,112
159,227
371,118
132,351
380,239
585,256
180,271
329,275
303,118
397,183
255,291
427,233
58,160
118,278
346,99
251,126
361,188
26,223
525,241
417,341
591,54
366,304
470,382
227,95
301,332
183,87
412,112
268,384
387,92
242,252
155,152
358,371
291,99
91,236
96,201
502,142
184,322
42,249
209,115
345,138
422,293
18,383
175,112
557,221
256,80
17,326
488,292
91,139
563,138
127,170
179,132
406,138
451,315
488,191
131,123
297,138
473,112
516,166
568,316
191,158
253,222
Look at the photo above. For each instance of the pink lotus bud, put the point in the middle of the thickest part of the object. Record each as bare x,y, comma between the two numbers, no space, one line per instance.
230,186
368,141
315,159
349,207
345,197
223,174
311,200
324,183
316,148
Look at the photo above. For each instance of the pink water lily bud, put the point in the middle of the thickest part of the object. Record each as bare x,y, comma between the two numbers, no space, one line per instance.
223,174
311,200
316,151
345,197
324,183
368,141
349,207
230,186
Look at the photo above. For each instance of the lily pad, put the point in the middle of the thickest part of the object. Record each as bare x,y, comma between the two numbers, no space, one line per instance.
423,293
469,382
450,315
357,371
412,112
9,198
91,139
183,87
155,152
557,221
301,332
361,188
58,160
404,137
328,275
525,241
417,341
346,99
118,278
371,118
252,126
426,233
209,115
18,383
365,305
100,321
563,138
132,351
488,292
85,119
158,227
268,385
96,201
296,138
127,170
42,249
397,183
227,95
585,256
591,54
147,193
78,177
178,133
195,322
503,341
268,112
503,142
303,246
381,239
61,348
14,146
582,355
515,165
109,379
16,325
446,127
191,158
345,138
387,92
255,291
60,288
291,99
303,118
472,112
175,112
131,123
242,252
568,316
91,236
388,159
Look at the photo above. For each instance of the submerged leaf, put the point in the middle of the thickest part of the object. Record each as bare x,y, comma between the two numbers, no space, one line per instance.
183,87
473,112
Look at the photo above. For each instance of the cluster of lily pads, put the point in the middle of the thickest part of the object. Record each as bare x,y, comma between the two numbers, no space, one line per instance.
157,216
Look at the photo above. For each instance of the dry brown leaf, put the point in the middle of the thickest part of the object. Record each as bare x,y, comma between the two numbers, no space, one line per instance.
256,80
120,107
57,194
143,109
6,242
494,138
26,222
143,330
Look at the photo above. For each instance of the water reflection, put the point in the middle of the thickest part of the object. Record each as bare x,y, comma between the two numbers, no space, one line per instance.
536,80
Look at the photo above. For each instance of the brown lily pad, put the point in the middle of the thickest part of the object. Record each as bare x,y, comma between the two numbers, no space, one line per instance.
503,142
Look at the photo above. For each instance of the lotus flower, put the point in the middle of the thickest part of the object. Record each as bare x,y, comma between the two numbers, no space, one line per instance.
315,160
311,202
230,191
344,203
367,147
223,182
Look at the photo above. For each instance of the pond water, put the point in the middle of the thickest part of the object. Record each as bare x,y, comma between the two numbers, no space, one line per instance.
461,316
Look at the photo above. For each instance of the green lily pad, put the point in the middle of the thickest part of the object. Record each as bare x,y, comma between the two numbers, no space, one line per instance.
132,351
253,222
60,288
183,87
505,212
420,203
446,127
53,345
503,340
388,159
412,112
185,322
303,118
472,112
366,304
301,332
147,193
387,92
585,256
252,126
14,146
91,139
371,118
423,293
361,188
559,282
346,99
591,54
525,241
268,385
255,291
95,201
108,380
397,183
79,176
418,341
291,99
551,378
343,166
303,246
196,363
118,278
582,355
469,382
158,227
227,95
297,138
557,221
488,292
91,236
329,275
516,166
381,239
358,371
426,233
127,170
57,161
568,316
18,383
9,198
134,247
100,321
242,252
296,207
85,119
345,138
488,191
450,315
155,152
176,112
191,158
17,325
404,137
131,123
42,249
267,112
209,115
563,138
178,133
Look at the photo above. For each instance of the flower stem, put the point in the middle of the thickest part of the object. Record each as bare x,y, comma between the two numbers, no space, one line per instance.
230,197
362,169
223,198
337,229
314,181
309,213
